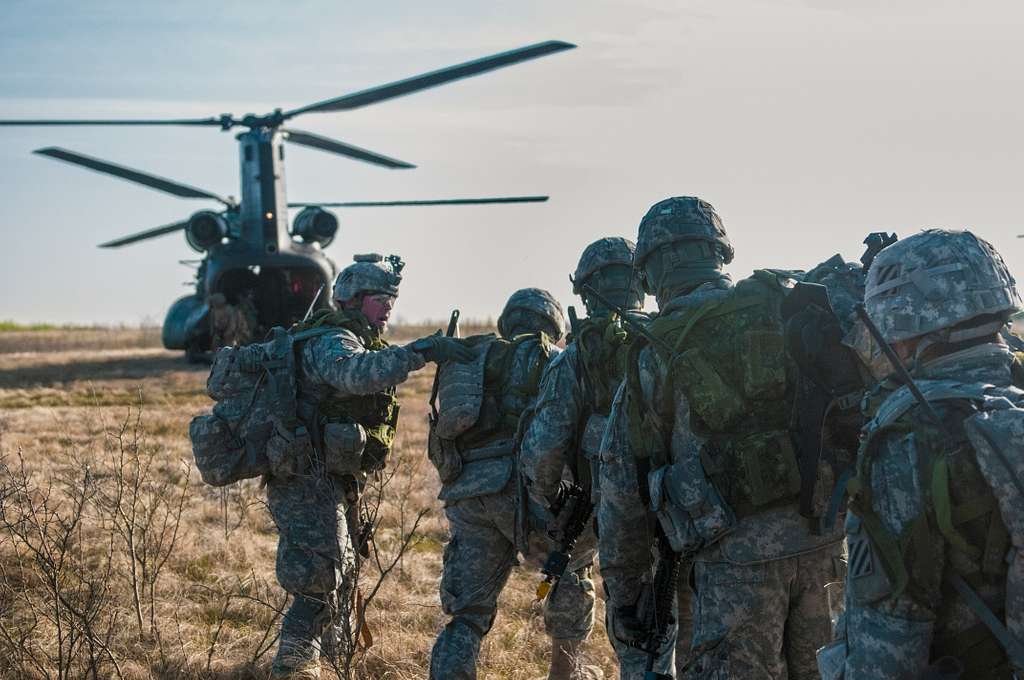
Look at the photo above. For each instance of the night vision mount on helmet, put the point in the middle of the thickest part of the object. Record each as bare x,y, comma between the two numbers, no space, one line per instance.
251,256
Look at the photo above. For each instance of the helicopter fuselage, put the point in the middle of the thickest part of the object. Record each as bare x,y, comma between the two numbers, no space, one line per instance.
258,263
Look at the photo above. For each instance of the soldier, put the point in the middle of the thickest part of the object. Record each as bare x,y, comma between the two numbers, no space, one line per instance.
472,446
700,436
229,326
935,529
346,390
564,430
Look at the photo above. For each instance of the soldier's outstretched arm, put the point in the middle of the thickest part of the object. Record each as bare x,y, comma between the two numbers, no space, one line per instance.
341,361
552,432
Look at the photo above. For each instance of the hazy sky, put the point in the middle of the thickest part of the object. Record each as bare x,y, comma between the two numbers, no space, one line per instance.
806,124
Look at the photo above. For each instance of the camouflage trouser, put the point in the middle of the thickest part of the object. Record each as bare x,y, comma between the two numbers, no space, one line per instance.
477,561
315,563
762,621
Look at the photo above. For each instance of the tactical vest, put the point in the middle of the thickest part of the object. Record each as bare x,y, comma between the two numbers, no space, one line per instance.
377,413
728,358
480,406
966,514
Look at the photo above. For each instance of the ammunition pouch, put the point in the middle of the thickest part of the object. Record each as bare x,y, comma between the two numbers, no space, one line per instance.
443,454
344,444
688,526
289,450
755,471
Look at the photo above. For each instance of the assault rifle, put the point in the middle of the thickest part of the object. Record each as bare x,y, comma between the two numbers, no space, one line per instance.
659,617
574,323
875,242
572,509
632,325
451,332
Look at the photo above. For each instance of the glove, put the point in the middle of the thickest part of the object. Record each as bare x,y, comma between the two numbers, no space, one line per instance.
439,349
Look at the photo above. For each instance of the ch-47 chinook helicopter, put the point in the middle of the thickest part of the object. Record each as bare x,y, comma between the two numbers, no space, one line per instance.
251,253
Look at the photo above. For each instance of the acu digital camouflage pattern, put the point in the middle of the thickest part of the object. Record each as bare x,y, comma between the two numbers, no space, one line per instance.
768,568
611,250
309,506
487,522
536,301
935,280
371,273
682,218
896,630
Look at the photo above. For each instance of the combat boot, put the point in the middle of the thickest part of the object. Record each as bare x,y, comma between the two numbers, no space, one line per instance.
298,653
296,662
566,662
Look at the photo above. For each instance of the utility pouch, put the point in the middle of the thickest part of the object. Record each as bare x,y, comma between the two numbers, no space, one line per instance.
343,447
289,451
764,373
713,399
768,467
688,526
443,454
675,521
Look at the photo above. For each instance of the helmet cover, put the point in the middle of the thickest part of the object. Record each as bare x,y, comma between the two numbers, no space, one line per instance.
934,280
371,273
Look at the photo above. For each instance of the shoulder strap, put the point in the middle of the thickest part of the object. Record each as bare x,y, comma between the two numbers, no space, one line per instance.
1013,647
301,336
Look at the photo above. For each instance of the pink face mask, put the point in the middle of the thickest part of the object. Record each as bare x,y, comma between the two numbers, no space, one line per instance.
377,309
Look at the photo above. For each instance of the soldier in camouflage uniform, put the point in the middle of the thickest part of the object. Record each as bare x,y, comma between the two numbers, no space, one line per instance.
229,325
346,387
935,530
472,446
564,428
699,436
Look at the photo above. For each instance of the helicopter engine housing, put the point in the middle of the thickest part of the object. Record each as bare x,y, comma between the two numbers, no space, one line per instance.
315,225
205,230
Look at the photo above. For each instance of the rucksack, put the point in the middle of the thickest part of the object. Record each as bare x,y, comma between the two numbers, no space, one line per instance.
254,426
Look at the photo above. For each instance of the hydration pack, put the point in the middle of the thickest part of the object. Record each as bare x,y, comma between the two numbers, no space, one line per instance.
253,428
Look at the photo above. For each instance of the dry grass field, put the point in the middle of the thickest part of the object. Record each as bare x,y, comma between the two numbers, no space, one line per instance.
117,561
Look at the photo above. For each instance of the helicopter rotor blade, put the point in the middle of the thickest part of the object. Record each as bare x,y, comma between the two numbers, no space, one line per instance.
399,88
143,235
439,201
334,146
137,176
174,121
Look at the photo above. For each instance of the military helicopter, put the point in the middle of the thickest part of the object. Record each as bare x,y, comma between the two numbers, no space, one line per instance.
251,255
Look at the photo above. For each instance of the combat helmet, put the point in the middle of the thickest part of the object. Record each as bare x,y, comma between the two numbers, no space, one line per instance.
532,301
683,218
934,282
607,265
370,273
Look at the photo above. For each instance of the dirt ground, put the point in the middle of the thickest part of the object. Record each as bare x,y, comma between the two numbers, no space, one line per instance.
117,561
